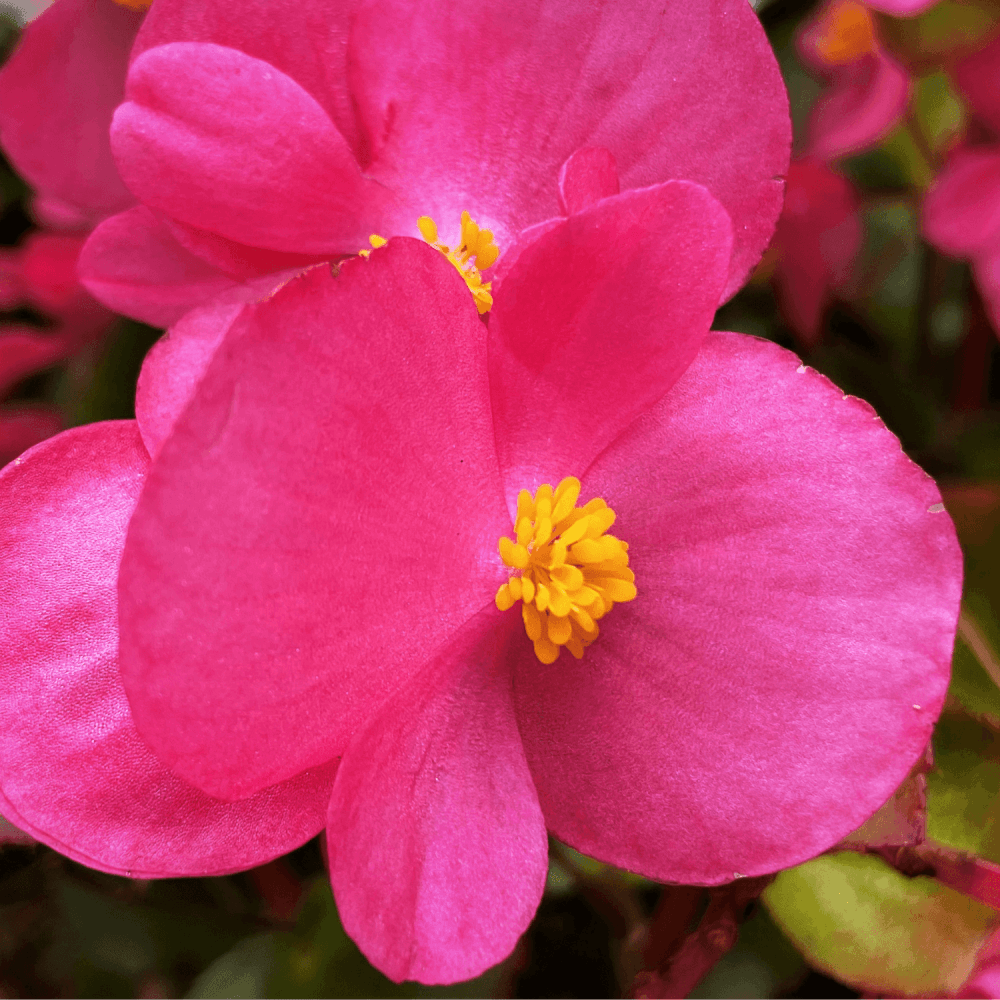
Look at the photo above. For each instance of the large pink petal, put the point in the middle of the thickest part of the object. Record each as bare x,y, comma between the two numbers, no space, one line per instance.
225,142
818,238
962,208
789,649
477,107
73,768
437,844
134,265
308,42
978,79
324,514
174,366
57,93
863,104
24,426
596,320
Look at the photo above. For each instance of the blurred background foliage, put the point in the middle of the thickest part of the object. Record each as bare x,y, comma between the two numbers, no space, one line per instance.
905,330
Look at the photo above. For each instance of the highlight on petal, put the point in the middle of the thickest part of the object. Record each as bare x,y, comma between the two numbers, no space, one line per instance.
596,320
337,455
134,265
227,143
73,769
789,648
57,93
628,77
438,851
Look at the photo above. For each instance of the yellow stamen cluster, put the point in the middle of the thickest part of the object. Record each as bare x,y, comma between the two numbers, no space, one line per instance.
571,573
846,33
474,254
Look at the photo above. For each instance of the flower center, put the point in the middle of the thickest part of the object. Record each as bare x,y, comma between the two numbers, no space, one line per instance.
846,33
474,254
571,572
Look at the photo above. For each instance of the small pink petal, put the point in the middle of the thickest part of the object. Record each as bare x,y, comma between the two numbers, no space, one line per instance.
227,143
962,208
76,773
25,350
589,175
323,516
57,93
438,850
314,52
817,241
789,648
865,101
596,320
900,8
977,78
134,265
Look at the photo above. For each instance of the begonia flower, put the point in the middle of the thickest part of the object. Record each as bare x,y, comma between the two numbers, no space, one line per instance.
867,90
961,212
262,139
347,480
816,244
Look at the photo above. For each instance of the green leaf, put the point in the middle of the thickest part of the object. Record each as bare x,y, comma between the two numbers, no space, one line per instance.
857,919
939,111
243,971
963,808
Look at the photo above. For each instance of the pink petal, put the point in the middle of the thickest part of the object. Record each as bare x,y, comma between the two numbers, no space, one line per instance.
962,208
863,104
476,107
25,350
438,850
174,366
57,93
900,8
309,44
596,320
134,265
818,238
589,175
324,515
76,773
986,270
788,652
976,76
225,142
24,426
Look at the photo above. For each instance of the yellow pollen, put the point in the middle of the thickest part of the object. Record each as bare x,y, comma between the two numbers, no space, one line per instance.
570,572
846,33
475,254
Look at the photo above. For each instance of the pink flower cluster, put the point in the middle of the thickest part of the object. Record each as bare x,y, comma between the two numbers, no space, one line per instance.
270,604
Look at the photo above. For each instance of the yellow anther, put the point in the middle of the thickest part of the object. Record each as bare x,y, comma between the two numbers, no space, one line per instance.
134,4
846,33
377,241
571,573
475,254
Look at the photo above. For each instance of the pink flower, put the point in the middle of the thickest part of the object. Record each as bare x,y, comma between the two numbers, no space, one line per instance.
57,94
310,590
261,140
41,274
868,91
961,213
816,242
